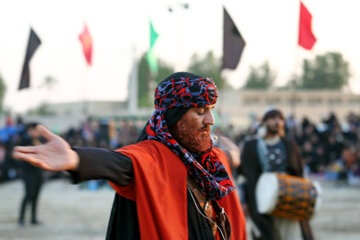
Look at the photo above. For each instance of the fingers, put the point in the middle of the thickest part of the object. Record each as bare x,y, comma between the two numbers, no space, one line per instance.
28,157
27,149
46,133
31,158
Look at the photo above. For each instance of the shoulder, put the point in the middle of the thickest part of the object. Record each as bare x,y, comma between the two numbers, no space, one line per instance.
218,152
223,158
147,149
250,141
144,146
289,141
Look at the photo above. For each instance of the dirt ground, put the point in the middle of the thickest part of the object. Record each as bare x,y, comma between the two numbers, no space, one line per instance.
68,212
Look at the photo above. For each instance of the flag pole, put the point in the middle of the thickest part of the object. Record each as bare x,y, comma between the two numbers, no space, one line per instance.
87,45
32,45
85,92
297,64
306,37
293,84
133,86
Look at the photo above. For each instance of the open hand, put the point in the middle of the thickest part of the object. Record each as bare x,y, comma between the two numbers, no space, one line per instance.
55,155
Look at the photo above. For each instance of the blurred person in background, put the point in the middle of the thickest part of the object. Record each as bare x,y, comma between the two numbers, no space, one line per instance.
31,175
229,147
2,161
173,183
271,152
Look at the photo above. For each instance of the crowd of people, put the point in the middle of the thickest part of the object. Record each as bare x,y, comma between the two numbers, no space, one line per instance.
102,133
330,148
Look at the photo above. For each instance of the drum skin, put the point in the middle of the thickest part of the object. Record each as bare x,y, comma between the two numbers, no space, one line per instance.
286,196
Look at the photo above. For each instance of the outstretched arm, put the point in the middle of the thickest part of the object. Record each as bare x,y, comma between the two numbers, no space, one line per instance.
100,163
82,163
55,155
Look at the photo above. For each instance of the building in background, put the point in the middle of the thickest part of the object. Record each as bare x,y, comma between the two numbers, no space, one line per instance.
240,108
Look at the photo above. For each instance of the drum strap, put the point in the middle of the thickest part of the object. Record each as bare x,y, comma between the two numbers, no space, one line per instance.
262,153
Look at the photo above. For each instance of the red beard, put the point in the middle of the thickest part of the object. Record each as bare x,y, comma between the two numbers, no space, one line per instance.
191,137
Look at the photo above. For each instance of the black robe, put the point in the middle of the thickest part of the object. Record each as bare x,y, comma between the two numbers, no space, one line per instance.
97,163
123,224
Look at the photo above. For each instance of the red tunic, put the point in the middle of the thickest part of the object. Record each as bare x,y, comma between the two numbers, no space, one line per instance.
159,188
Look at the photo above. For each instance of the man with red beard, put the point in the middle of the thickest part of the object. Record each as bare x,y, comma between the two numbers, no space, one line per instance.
172,184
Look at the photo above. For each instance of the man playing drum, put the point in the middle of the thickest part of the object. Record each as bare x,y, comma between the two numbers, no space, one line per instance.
271,152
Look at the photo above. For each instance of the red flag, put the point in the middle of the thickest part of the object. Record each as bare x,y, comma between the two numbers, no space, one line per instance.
86,41
307,38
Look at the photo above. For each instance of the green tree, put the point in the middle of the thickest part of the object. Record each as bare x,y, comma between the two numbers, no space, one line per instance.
2,93
144,79
164,70
208,66
327,71
261,77
148,81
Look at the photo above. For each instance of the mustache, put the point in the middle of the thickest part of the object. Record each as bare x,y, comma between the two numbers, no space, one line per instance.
205,128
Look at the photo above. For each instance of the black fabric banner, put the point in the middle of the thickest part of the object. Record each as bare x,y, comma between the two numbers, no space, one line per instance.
233,44
33,44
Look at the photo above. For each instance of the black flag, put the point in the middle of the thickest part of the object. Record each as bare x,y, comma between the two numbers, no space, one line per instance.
33,44
233,44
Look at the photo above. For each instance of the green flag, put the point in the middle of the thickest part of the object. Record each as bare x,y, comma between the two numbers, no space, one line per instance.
151,59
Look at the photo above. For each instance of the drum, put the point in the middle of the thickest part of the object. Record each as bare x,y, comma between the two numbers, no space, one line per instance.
287,196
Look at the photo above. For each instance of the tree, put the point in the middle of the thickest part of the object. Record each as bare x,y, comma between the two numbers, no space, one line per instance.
148,81
2,93
209,66
143,82
164,70
261,77
327,71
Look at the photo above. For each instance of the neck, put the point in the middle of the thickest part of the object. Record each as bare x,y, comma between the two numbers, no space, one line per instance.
272,140
270,136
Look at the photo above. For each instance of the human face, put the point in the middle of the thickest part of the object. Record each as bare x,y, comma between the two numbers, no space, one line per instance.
192,131
274,126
